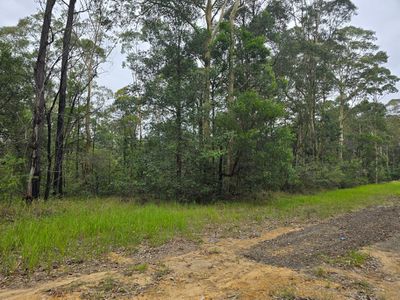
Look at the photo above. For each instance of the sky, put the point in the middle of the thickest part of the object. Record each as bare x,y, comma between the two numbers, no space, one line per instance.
379,16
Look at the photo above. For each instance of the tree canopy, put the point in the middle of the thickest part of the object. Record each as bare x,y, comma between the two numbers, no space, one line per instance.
227,97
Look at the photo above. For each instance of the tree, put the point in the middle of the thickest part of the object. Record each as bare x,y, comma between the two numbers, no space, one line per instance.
261,149
33,190
358,71
15,94
228,97
368,135
59,144
303,58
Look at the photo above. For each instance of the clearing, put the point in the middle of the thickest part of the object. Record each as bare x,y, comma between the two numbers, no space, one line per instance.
350,255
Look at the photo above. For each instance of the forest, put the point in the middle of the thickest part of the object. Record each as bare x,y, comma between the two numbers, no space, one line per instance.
254,154
227,98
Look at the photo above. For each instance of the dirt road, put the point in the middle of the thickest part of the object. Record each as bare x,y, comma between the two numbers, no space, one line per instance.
312,262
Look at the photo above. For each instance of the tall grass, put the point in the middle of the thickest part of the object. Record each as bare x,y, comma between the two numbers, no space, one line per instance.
45,233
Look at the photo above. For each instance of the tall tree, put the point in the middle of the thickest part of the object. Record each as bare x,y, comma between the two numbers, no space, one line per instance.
358,71
33,190
59,144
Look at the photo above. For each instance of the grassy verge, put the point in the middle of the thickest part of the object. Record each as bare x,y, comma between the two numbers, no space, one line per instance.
45,233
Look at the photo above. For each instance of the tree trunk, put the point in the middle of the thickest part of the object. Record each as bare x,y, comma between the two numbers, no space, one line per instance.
205,105
59,148
33,190
87,108
179,145
341,126
207,70
231,79
49,160
88,144
78,128
179,134
376,164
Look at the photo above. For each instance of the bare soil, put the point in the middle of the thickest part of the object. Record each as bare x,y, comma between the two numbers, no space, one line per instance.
333,238
286,263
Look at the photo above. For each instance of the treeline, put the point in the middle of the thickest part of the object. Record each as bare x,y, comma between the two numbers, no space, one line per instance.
228,97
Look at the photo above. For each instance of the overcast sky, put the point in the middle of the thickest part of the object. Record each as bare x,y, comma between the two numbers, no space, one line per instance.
379,16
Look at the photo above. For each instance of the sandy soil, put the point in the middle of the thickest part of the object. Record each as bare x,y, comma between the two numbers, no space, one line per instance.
222,269
333,238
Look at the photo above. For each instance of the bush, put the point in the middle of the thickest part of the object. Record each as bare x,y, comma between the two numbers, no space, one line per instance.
353,174
316,176
11,180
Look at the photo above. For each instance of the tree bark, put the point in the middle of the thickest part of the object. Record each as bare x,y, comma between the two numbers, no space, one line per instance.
59,147
33,190
178,121
341,126
88,144
207,70
49,159
231,78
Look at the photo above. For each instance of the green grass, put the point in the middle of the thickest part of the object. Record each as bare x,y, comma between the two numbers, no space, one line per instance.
140,268
46,233
320,272
352,259
287,293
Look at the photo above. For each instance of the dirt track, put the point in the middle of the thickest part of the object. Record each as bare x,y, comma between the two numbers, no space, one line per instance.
219,269
334,238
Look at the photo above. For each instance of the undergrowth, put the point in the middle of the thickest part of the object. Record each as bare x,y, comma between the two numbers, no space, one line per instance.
47,233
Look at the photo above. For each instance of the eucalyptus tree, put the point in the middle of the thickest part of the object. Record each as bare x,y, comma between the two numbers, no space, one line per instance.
223,91
96,43
33,190
303,58
16,92
368,135
169,71
358,71
24,39
393,146
59,144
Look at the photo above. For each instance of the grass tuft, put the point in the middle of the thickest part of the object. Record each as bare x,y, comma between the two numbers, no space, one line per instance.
352,259
45,234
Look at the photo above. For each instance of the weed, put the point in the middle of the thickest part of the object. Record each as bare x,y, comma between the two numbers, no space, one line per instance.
320,272
352,259
43,234
162,271
363,285
287,293
213,251
139,268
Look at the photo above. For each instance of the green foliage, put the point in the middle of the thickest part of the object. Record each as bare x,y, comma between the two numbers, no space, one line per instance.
350,260
45,233
261,148
329,175
15,96
10,176
279,96
287,293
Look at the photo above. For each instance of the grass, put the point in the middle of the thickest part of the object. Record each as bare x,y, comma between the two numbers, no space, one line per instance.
138,268
287,293
352,259
141,268
320,272
48,233
162,271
